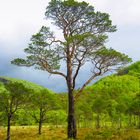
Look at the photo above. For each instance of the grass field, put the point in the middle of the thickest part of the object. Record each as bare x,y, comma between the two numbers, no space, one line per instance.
30,133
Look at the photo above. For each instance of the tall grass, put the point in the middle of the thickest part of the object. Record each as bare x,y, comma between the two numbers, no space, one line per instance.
53,133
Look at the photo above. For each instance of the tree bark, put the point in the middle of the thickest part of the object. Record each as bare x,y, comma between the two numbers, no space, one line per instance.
72,132
8,127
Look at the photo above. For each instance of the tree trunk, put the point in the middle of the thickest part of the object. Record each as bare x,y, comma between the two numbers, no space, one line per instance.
40,122
8,127
130,120
135,121
40,128
71,118
98,121
72,132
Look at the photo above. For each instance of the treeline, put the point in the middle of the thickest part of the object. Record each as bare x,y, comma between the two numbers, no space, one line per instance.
113,101
25,103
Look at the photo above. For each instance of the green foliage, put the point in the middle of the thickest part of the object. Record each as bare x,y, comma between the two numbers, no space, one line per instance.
41,102
135,105
23,98
111,54
112,95
12,96
56,117
40,53
99,105
27,84
133,69
23,118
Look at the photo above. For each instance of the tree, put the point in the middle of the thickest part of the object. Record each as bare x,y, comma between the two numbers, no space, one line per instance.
83,110
135,107
56,117
99,106
84,33
115,95
41,102
12,96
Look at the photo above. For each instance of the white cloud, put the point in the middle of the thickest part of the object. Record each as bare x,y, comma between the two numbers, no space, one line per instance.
19,16
123,12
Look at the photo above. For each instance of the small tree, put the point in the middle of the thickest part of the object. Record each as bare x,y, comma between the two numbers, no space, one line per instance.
135,108
56,117
99,106
11,98
84,33
40,103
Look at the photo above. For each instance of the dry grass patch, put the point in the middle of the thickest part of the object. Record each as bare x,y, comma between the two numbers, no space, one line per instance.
52,133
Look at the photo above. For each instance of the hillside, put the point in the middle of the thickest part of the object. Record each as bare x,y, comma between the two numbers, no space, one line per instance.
133,70
27,84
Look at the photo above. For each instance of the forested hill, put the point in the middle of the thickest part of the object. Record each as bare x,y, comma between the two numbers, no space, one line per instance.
128,78
114,99
111,102
27,84
133,69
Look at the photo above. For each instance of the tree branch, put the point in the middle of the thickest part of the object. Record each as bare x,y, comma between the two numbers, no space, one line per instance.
86,83
45,65
76,73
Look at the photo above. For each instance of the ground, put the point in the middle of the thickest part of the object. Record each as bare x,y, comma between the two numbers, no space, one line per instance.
53,133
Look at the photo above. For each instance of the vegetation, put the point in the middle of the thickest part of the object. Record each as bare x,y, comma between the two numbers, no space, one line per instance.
29,133
84,32
108,109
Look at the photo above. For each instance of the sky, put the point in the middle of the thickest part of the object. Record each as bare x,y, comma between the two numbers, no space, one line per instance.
19,19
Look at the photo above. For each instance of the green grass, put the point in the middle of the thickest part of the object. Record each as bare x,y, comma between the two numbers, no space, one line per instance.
52,133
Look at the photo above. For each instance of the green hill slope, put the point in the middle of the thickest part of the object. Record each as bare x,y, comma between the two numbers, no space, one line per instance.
28,84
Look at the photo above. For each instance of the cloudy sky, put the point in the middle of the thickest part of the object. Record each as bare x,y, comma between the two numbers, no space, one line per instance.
19,19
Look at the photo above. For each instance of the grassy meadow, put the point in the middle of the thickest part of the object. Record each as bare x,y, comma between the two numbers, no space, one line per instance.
53,133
